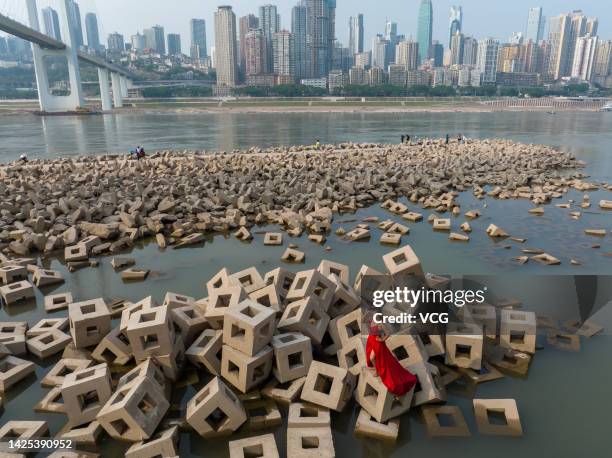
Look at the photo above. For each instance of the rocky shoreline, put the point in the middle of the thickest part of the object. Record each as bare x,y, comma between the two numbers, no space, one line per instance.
49,205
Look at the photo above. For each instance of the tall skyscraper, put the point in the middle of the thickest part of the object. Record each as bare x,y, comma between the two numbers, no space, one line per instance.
226,48
535,25
138,42
116,42
299,15
456,49
407,54
51,23
198,39
603,59
584,57
437,53
380,52
425,28
321,35
488,51
564,32
269,22
93,34
77,27
174,44
391,32
356,34
246,24
284,61
256,58
455,22
470,51
155,39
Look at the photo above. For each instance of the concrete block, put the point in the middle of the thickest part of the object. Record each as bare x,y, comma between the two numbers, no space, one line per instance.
206,350
366,426
563,340
376,399
345,298
16,292
292,356
442,224
305,316
399,229
464,345
51,402
76,253
302,415
134,411
358,234
48,344
56,302
349,326
282,280
270,297
376,280
246,372
13,274
412,217
219,280
90,242
403,262
48,324
328,386
445,421
273,239
284,392
249,279
85,392
486,316
189,321
21,430
486,374
55,377
13,370
215,410
113,349
89,321
310,442
88,434
497,417
122,263
151,333
146,304
262,446
134,275
496,232
328,268
13,327
429,387
248,327
150,370
174,301
434,343
309,283
14,343
293,256
518,330
43,277
163,444
352,355
220,300
391,239
172,363
262,414
407,349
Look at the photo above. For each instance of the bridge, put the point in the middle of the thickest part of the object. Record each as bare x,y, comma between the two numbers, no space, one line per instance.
44,46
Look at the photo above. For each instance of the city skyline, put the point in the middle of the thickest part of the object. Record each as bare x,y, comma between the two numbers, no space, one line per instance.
477,21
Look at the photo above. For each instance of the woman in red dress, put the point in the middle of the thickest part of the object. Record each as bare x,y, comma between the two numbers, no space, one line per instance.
398,380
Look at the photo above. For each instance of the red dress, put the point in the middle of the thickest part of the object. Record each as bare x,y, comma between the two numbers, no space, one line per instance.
398,380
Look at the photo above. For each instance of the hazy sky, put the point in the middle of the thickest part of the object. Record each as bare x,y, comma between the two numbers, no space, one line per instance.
481,17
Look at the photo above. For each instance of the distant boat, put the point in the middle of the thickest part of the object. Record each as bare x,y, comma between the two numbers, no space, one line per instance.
552,113
607,107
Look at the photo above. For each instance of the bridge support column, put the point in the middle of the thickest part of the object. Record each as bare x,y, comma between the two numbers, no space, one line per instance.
117,92
124,87
48,101
105,96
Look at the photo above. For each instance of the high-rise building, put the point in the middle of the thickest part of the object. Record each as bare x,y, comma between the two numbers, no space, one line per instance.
535,25
343,58
226,47
358,76
284,60
532,57
455,22
155,39
138,42
470,51
457,49
269,22
376,76
321,35
92,31
255,53
75,18
509,59
391,32
398,75
380,52
564,32
356,34
174,44
425,29
488,51
592,26
363,59
299,16
584,57
516,38
246,24
407,54
198,49
603,59
3,47
437,53
51,23
116,43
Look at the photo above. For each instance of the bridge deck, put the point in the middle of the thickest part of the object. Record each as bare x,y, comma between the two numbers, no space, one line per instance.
29,34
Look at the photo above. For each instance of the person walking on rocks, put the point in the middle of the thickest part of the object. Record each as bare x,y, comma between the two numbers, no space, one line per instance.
398,380
447,139
23,158
317,145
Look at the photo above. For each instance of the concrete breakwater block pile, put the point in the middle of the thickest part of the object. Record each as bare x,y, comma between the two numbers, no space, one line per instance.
95,205
262,342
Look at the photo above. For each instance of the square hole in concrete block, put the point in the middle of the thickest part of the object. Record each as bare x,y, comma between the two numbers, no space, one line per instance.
216,419
351,358
400,353
310,442
84,374
463,351
308,412
92,330
88,308
6,366
446,420
517,337
251,312
287,338
148,317
147,405
497,417
253,451
259,371
293,311
300,283
323,383
233,369
202,396
237,332
89,400
370,392
120,426
295,360
353,328
149,342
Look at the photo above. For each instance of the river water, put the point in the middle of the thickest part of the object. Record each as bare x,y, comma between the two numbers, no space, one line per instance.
564,402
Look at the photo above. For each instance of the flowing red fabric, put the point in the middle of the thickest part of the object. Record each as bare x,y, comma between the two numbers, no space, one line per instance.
398,380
